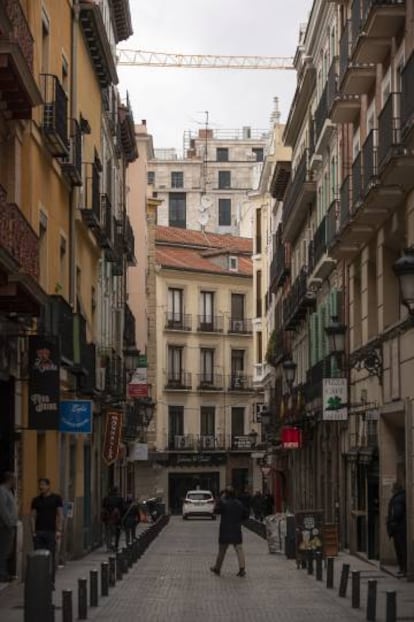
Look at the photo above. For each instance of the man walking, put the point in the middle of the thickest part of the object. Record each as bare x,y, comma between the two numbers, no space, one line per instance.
233,513
112,512
8,522
47,520
397,526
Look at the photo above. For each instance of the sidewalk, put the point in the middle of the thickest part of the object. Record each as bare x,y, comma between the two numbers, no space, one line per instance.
12,595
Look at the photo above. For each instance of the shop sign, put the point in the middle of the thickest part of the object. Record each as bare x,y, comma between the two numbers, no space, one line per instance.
291,438
76,416
138,387
137,452
309,530
112,439
243,442
197,459
335,398
44,383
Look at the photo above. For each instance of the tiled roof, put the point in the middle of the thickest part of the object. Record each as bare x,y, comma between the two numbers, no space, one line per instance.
189,237
186,249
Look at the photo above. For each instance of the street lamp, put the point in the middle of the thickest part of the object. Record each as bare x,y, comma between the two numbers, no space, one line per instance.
131,359
147,407
335,331
289,369
404,270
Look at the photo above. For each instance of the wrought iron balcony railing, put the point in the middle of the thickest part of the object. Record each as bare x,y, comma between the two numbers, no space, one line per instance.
210,382
302,175
129,339
91,196
345,200
55,115
280,266
59,320
317,247
240,382
370,165
240,326
72,163
356,182
297,301
407,99
332,221
179,380
389,128
178,321
210,323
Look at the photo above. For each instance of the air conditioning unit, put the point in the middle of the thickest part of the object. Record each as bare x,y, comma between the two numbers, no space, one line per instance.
239,380
208,442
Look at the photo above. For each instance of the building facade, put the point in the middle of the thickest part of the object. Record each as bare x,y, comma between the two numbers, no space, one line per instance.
65,244
207,188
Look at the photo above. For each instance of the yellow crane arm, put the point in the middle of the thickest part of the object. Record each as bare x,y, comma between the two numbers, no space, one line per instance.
145,58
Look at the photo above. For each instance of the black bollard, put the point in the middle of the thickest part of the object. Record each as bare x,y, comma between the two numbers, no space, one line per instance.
356,589
372,600
93,589
119,572
104,578
112,571
67,607
344,580
330,572
391,606
82,599
38,588
130,556
124,561
318,556
309,560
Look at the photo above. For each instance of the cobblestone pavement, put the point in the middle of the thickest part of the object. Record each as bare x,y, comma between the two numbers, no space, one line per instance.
172,583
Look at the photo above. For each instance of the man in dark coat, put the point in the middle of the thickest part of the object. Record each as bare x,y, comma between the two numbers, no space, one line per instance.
397,526
233,513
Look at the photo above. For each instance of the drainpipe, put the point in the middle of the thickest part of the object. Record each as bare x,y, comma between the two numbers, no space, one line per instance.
74,194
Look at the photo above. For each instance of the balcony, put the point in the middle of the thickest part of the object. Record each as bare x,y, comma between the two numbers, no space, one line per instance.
298,301
301,98
72,163
314,379
207,442
114,376
280,266
182,442
91,197
178,381
59,320
407,102
341,108
323,126
332,223
260,373
117,258
381,20
178,321
280,179
87,381
55,115
127,131
395,162
240,382
129,242
105,234
300,194
19,91
99,46
129,337
279,347
210,323
354,78
320,264
19,260
122,19
240,327
210,382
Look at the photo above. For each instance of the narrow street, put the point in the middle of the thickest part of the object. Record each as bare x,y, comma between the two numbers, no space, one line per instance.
173,582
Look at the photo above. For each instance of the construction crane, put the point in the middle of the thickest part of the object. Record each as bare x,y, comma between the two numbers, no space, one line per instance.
145,58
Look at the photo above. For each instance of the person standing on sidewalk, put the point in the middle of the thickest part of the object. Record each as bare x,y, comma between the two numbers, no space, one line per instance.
397,526
47,520
233,513
8,522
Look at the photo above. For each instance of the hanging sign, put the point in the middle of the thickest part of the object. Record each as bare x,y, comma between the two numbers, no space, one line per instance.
335,399
113,429
44,383
76,416
291,438
138,387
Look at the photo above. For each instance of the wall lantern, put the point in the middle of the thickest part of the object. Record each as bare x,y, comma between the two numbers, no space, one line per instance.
404,270
335,331
289,369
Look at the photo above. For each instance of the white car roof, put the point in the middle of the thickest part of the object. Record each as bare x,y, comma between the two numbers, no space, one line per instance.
198,491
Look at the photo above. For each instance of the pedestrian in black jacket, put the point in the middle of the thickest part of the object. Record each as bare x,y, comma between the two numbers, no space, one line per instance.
397,526
233,513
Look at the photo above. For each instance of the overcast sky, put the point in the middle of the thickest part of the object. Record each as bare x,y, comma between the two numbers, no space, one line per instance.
173,100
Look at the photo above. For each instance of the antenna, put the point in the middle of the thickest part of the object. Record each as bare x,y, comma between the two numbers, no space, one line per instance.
205,153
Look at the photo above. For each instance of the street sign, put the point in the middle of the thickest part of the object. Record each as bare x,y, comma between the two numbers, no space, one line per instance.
112,436
335,398
76,416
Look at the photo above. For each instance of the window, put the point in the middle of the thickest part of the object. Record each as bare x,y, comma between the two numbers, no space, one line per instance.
207,365
222,154
224,212
151,177
207,421
177,179
233,263
258,231
177,210
175,359
43,259
259,347
206,307
224,180
44,67
258,152
259,293
237,421
175,425
175,307
61,286
237,313
237,362
65,74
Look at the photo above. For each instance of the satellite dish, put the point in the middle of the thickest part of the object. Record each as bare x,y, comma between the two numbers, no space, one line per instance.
203,219
206,202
